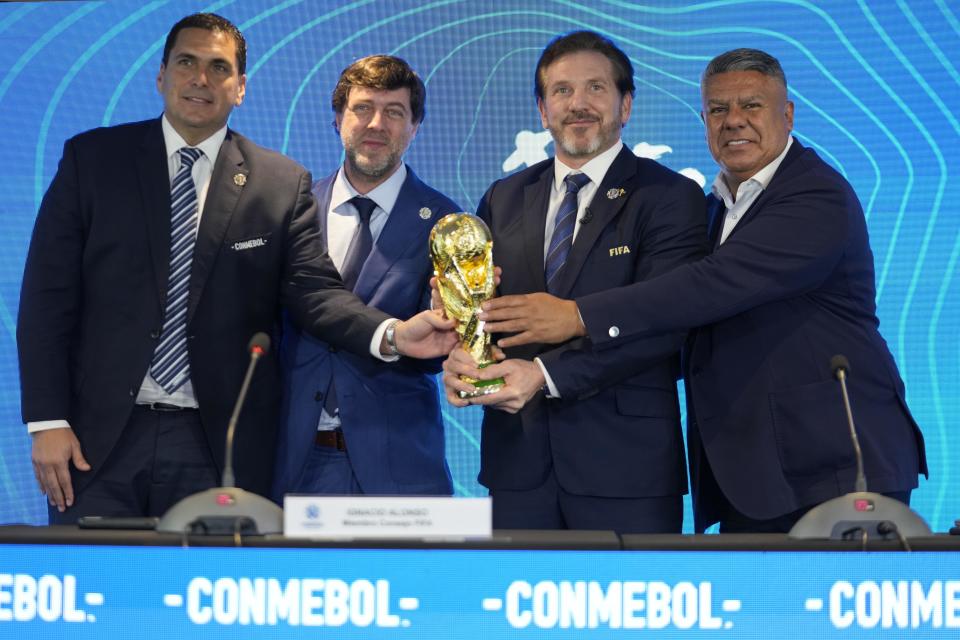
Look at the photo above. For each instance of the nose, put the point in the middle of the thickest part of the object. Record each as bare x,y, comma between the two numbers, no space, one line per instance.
376,119
735,119
578,100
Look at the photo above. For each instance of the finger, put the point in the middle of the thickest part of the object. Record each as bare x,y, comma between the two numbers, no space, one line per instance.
452,385
507,326
437,320
39,478
52,484
504,302
493,371
525,337
66,486
497,353
78,460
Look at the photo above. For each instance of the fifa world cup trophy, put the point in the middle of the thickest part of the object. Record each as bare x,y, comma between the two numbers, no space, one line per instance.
462,252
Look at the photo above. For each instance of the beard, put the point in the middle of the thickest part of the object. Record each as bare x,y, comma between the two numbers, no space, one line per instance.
372,167
603,139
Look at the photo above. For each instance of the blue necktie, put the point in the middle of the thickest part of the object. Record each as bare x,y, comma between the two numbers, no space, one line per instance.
170,366
357,254
361,245
566,222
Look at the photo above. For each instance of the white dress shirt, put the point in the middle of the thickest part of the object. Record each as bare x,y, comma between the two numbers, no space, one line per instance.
342,223
202,169
596,169
747,193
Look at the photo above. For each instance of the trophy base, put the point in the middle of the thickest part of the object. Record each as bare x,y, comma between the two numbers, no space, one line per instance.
483,387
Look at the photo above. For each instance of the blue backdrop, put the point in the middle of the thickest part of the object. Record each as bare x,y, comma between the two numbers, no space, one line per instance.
875,85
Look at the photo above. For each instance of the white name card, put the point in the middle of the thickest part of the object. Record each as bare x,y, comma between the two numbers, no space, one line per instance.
386,517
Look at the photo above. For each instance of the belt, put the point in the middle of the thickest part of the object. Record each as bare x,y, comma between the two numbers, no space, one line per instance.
333,439
164,407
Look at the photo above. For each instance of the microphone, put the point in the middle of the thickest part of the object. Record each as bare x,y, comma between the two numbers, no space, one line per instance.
259,346
228,510
860,514
587,216
841,367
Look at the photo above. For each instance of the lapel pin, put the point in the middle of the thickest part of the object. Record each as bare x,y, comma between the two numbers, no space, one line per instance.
425,213
239,179
613,194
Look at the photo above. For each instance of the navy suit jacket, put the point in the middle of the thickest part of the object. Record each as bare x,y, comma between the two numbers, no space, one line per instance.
615,431
791,286
95,281
390,412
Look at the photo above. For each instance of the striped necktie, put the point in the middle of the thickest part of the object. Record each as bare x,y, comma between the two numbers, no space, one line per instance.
170,366
566,222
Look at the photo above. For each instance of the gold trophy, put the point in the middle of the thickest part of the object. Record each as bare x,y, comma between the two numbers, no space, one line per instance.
462,254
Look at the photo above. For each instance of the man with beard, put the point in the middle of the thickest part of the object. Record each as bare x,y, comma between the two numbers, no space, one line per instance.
582,439
160,247
355,425
789,283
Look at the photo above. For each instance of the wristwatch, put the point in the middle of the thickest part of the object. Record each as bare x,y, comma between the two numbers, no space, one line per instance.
391,336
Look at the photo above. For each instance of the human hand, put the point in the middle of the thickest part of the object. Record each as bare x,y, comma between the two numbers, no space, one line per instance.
533,317
523,380
53,450
426,335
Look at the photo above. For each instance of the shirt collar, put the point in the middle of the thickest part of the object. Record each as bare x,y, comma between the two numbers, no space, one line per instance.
384,195
595,169
760,179
174,141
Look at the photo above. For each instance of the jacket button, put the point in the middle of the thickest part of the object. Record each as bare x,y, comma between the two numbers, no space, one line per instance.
133,392
333,349
613,332
155,334
318,396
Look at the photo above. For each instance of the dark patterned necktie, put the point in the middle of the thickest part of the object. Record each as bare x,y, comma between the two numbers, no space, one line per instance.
170,366
566,222
360,248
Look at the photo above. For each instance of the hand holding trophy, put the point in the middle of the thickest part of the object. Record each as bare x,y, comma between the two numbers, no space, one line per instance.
462,252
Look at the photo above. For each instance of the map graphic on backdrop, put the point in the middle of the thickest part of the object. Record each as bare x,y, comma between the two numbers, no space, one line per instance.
875,88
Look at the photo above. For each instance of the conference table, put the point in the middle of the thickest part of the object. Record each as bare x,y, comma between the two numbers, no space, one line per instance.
59,582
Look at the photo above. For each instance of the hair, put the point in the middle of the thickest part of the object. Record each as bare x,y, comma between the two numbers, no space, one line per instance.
383,72
745,60
585,41
208,22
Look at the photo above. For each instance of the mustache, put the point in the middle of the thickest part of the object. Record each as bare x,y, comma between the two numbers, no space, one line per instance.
580,116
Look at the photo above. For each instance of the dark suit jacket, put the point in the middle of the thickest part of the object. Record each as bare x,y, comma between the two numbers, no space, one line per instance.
93,292
791,286
615,431
390,412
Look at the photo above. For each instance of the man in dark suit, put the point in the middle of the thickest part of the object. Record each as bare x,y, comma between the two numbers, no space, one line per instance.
352,424
789,284
159,249
581,438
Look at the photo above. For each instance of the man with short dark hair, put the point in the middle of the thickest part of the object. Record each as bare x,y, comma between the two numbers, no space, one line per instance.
789,284
159,249
579,438
351,424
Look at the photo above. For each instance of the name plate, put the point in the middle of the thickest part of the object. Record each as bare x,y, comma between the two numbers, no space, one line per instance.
386,517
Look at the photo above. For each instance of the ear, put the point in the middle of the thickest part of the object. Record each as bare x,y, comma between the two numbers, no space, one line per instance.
160,73
337,121
788,113
241,90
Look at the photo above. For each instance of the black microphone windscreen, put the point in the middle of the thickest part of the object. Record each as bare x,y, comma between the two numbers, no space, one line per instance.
260,341
839,362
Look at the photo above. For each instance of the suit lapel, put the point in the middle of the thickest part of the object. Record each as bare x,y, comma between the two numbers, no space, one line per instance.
715,215
405,229
323,191
796,149
536,199
222,196
155,193
602,210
